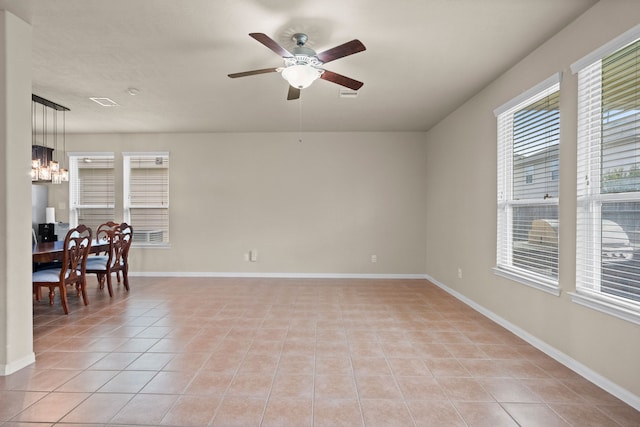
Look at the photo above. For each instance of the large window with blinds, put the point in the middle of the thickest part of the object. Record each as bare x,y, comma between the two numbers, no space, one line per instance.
528,186
146,196
91,189
608,205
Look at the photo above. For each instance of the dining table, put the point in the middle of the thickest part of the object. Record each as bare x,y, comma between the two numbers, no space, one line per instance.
44,252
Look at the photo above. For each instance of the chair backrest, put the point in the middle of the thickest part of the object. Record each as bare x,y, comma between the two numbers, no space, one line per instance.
105,229
118,245
77,244
127,236
119,237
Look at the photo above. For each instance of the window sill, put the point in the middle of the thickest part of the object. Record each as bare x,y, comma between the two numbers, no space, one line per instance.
546,285
151,245
611,306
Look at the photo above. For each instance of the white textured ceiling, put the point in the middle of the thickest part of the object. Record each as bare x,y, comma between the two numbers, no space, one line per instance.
423,59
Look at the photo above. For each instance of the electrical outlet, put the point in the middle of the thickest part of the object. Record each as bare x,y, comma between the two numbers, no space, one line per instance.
374,258
253,255
459,273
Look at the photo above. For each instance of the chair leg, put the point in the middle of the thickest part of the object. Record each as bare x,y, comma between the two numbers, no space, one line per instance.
109,287
101,279
125,278
52,294
63,298
83,290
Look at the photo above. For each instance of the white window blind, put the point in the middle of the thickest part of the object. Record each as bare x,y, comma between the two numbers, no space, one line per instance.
91,189
608,209
528,186
146,196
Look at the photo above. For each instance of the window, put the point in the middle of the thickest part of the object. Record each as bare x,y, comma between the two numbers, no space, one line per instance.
91,189
530,171
146,197
608,205
528,186
555,170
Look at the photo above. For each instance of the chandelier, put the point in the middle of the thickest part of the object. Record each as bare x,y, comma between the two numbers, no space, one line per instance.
48,127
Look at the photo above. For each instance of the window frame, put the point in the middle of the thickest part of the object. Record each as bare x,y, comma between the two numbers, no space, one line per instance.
590,197
505,201
73,184
126,196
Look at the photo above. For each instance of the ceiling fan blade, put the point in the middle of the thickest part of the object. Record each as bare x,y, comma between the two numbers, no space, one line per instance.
341,80
271,44
346,49
294,93
253,72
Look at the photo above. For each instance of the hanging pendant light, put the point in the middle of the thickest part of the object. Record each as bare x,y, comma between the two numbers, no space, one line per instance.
44,166
54,166
44,173
35,162
64,172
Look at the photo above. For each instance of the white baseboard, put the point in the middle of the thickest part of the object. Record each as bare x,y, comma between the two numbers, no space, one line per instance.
604,383
15,366
277,275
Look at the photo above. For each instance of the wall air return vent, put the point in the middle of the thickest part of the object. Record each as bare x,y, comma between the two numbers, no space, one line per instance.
348,93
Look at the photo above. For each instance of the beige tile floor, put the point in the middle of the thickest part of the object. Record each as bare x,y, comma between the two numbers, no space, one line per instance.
274,352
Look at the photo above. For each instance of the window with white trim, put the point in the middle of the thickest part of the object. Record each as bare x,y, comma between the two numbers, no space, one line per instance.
608,191
146,197
91,189
528,186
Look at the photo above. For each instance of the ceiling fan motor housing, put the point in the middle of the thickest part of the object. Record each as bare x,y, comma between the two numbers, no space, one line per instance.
303,51
300,39
302,59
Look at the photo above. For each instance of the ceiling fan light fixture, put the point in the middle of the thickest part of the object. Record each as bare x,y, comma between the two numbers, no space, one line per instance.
301,76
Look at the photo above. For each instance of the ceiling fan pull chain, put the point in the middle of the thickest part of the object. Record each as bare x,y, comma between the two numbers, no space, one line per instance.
300,119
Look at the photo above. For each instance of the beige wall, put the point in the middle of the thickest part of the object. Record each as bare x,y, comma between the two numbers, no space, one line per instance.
461,210
16,327
324,205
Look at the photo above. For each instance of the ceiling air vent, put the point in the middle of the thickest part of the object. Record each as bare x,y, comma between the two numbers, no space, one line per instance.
105,102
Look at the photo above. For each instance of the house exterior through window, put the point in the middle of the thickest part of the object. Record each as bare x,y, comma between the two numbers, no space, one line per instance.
528,186
608,205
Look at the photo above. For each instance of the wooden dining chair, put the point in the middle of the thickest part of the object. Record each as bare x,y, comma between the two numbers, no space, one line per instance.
72,270
116,259
103,235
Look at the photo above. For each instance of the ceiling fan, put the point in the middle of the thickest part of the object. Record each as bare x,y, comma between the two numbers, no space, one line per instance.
303,65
